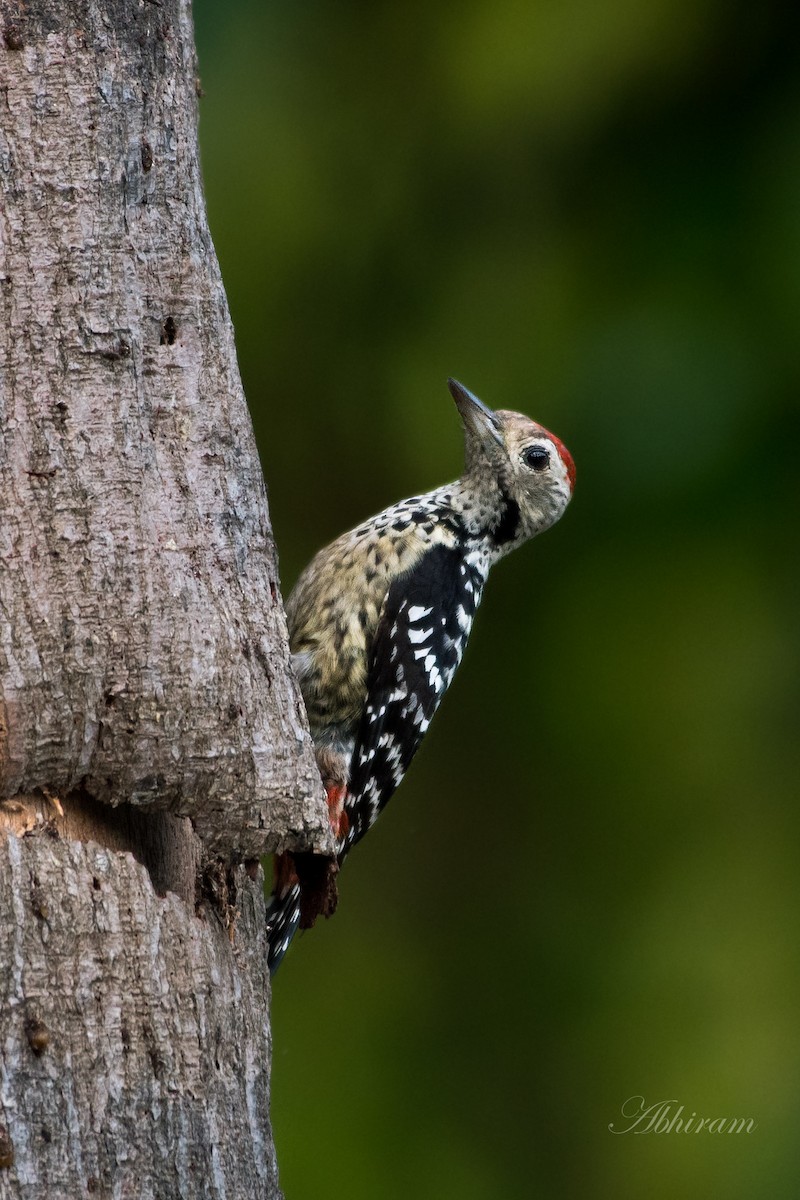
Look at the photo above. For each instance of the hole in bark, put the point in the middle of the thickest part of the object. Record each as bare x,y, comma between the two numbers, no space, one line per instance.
38,1035
169,332
12,37
39,905
6,1148
164,844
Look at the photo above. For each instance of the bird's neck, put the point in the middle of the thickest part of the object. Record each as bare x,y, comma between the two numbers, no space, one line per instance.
488,515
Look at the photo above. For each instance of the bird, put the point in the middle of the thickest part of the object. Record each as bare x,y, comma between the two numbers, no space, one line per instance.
378,622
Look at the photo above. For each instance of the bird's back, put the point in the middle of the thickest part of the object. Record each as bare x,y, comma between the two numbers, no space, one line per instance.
335,606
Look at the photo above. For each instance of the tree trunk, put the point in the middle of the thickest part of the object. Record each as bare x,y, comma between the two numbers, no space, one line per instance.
152,736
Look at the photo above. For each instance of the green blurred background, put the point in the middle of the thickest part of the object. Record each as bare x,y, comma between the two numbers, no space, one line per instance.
587,887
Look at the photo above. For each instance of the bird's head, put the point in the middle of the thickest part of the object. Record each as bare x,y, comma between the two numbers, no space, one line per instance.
515,464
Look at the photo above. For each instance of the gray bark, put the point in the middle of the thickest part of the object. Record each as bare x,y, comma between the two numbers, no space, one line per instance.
144,655
152,735
134,1043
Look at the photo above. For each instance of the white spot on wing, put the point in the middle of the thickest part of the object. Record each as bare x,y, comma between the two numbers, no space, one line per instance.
434,677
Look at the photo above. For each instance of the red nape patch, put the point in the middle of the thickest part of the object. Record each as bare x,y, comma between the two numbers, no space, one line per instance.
567,459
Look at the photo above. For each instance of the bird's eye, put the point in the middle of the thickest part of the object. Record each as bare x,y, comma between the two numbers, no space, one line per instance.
536,457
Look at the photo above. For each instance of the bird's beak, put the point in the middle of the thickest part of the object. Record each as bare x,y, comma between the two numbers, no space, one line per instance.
479,421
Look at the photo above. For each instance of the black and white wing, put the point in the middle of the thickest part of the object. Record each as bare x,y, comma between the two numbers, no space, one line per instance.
420,638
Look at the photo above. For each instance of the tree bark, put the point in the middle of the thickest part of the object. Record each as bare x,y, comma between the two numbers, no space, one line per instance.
152,736
134,1040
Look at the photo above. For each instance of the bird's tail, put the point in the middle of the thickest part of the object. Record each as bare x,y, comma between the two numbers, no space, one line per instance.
283,918
305,888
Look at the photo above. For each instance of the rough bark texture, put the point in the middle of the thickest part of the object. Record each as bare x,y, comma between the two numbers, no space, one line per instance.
134,1047
146,699
143,650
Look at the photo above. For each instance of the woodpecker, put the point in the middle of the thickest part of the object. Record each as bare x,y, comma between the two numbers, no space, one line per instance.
378,622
